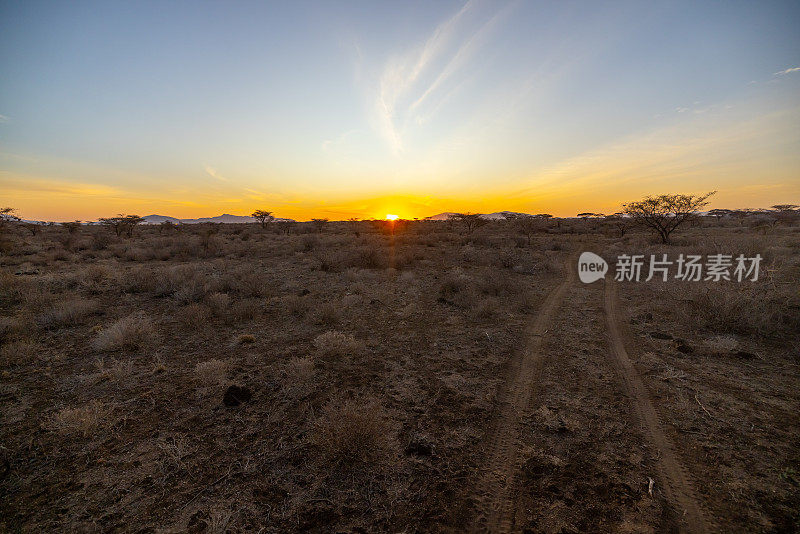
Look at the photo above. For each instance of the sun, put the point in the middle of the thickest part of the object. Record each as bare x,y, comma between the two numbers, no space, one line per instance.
391,217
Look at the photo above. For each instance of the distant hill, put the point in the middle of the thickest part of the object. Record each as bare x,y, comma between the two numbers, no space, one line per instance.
491,216
224,218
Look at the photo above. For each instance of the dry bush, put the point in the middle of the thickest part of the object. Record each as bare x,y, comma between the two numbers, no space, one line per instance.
219,303
246,339
129,333
354,431
211,372
83,420
333,345
193,290
68,313
243,311
326,314
457,289
194,315
295,305
740,308
119,370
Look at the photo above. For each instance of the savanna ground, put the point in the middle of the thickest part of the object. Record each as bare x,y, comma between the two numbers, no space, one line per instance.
370,378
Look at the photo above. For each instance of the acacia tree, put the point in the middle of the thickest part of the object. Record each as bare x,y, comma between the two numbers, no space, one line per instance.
620,221
263,216
122,224
786,213
7,216
665,213
471,221
525,224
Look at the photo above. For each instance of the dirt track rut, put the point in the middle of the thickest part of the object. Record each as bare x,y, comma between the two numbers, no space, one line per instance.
677,485
515,398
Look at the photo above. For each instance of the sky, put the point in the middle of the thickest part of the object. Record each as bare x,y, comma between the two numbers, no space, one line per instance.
359,109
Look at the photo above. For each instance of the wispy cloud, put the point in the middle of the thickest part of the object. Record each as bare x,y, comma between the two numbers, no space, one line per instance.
787,71
3,119
400,86
214,174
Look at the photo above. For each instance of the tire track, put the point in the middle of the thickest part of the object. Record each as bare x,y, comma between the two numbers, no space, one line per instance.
515,398
678,487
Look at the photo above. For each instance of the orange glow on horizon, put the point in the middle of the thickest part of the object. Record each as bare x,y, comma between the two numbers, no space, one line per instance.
391,217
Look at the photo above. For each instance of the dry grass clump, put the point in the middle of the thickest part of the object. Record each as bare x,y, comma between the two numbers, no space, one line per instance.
458,290
211,372
326,314
129,333
334,344
354,431
194,315
295,305
83,420
68,313
243,311
119,370
246,339
736,308
219,303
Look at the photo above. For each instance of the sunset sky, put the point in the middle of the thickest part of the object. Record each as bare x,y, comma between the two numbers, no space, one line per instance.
358,109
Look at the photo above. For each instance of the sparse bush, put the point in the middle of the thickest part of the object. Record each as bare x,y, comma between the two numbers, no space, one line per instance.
243,311
326,314
219,303
354,431
129,333
83,420
333,345
69,313
194,315
457,290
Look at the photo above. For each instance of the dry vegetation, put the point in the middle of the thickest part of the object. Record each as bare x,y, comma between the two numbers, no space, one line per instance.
343,377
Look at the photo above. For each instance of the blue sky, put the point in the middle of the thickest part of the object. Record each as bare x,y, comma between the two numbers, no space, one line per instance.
351,109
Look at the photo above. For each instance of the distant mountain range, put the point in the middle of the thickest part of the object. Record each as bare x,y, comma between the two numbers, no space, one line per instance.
491,216
224,218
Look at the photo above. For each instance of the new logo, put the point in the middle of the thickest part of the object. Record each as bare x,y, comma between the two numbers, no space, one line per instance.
591,267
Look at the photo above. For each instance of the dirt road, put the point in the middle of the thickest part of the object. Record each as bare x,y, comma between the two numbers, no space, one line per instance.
515,399
677,484
518,396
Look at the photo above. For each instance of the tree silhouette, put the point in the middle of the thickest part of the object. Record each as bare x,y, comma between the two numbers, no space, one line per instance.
263,216
665,213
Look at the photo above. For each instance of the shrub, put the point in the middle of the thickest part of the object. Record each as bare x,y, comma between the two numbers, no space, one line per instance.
68,313
333,344
194,315
218,302
83,420
354,431
326,314
243,311
456,289
129,333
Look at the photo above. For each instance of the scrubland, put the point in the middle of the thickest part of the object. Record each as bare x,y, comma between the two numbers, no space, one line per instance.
229,378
